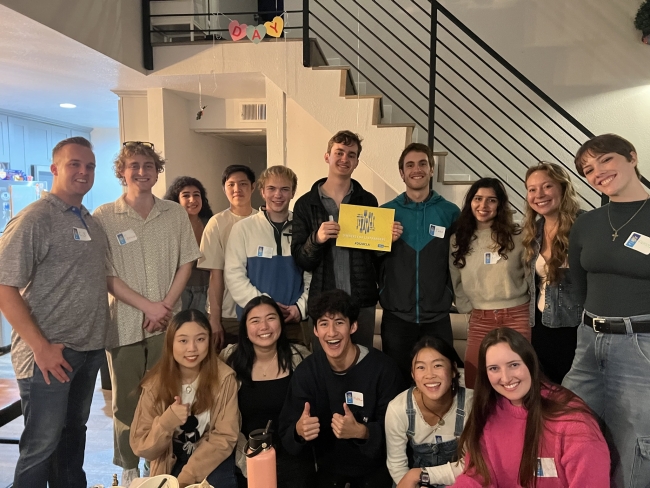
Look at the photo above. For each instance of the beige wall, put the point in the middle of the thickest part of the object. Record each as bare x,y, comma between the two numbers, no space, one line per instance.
112,27
306,145
164,120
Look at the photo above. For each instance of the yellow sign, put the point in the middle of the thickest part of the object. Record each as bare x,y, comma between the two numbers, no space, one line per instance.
366,227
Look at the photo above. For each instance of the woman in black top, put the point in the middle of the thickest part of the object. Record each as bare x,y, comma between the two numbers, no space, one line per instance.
609,258
264,361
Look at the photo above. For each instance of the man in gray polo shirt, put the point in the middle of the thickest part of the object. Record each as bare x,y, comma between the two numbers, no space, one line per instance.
53,293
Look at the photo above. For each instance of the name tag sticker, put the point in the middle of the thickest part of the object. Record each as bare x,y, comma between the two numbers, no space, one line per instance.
546,468
491,258
638,242
80,234
264,252
437,231
126,237
438,439
354,398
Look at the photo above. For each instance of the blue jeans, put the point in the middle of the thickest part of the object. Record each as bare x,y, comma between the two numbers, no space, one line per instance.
53,442
611,373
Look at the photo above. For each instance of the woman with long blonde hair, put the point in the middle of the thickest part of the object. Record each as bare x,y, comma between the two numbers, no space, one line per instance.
551,209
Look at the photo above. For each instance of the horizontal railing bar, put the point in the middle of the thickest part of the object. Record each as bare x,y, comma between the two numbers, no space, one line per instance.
393,34
480,144
461,160
369,65
501,110
512,69
479,160
506,81
399,73
514,105
157,30
225,14
426,46
397,104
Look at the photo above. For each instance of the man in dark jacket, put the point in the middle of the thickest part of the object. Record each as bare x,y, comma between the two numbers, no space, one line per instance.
315,229
415,286
337,401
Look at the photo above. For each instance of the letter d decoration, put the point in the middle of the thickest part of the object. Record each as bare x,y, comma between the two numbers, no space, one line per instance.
237,30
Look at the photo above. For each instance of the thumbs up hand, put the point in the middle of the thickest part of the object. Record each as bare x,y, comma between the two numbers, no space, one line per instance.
346,426
307,427
182,410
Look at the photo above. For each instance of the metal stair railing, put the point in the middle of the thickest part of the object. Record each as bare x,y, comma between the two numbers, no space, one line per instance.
437,73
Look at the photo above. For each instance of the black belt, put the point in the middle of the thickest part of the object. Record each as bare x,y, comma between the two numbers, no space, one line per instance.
616,326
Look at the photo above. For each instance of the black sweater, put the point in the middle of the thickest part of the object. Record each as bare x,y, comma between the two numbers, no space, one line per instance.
612,280
376,376
308,214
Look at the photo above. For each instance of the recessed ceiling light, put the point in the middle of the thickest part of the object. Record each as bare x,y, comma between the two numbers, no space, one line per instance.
67,105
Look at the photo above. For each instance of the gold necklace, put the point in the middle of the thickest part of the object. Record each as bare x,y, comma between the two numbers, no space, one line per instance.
269,364
441,422
615,234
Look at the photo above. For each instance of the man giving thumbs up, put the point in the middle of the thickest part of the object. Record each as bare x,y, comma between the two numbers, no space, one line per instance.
337,400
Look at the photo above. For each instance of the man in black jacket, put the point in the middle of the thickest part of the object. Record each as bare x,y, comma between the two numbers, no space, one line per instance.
315,229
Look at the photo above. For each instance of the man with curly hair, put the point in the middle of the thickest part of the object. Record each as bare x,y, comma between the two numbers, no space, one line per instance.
151,251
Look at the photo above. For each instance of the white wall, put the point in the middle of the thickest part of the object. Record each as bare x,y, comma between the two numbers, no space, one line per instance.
106,146
112,27
189,153
306,146
585,54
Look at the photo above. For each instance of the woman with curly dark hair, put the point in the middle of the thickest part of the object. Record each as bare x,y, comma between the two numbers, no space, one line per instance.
487,268
191,194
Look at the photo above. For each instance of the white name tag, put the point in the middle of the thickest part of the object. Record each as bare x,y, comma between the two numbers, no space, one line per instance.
437,231
264,252
354,398
80,234
491,258
126,237
638,242
546,468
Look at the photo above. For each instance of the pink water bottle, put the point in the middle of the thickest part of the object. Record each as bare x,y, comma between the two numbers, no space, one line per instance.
260,459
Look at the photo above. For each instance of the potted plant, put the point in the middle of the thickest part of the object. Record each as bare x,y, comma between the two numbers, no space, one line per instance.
642,20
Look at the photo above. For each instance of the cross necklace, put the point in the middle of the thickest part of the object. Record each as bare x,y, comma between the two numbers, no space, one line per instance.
615,234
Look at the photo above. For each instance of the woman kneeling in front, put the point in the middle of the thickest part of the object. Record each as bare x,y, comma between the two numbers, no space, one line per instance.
524,431
187,420
428,417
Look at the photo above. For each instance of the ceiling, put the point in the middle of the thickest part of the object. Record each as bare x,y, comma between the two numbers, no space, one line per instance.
41,68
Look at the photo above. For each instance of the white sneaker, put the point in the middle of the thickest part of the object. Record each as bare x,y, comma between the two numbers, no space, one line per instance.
128,475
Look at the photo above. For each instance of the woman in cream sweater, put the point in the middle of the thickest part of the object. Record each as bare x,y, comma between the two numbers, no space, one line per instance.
487,268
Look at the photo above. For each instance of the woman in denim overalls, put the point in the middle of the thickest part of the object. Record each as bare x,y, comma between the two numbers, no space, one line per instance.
424,422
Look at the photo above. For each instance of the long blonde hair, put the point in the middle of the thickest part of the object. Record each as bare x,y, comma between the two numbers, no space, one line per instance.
568,211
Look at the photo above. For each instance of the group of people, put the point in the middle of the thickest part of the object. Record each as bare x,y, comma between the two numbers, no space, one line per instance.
199,308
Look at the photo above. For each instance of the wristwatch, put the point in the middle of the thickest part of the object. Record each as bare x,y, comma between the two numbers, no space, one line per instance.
424,478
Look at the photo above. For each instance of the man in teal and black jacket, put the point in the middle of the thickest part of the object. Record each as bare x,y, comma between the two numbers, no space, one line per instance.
414,283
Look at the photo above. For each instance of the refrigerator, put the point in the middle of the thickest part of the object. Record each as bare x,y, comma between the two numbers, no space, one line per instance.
14,196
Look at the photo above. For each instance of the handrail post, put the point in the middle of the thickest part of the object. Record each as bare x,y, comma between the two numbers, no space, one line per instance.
306,46
432,71
147,48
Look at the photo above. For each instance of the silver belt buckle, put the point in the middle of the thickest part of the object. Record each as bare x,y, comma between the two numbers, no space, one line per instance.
596,322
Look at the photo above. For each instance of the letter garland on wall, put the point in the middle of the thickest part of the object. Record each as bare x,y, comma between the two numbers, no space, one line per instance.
256,32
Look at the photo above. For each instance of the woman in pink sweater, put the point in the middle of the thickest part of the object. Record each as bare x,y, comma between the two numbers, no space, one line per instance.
516,406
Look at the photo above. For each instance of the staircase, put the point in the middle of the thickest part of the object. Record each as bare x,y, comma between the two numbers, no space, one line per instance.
424,76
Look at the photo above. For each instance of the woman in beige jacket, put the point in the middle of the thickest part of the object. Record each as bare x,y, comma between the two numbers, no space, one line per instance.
187,420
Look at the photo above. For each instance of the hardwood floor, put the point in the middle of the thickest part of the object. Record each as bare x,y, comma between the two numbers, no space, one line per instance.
99,439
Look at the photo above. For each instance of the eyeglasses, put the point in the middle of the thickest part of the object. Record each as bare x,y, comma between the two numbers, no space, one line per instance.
138,143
